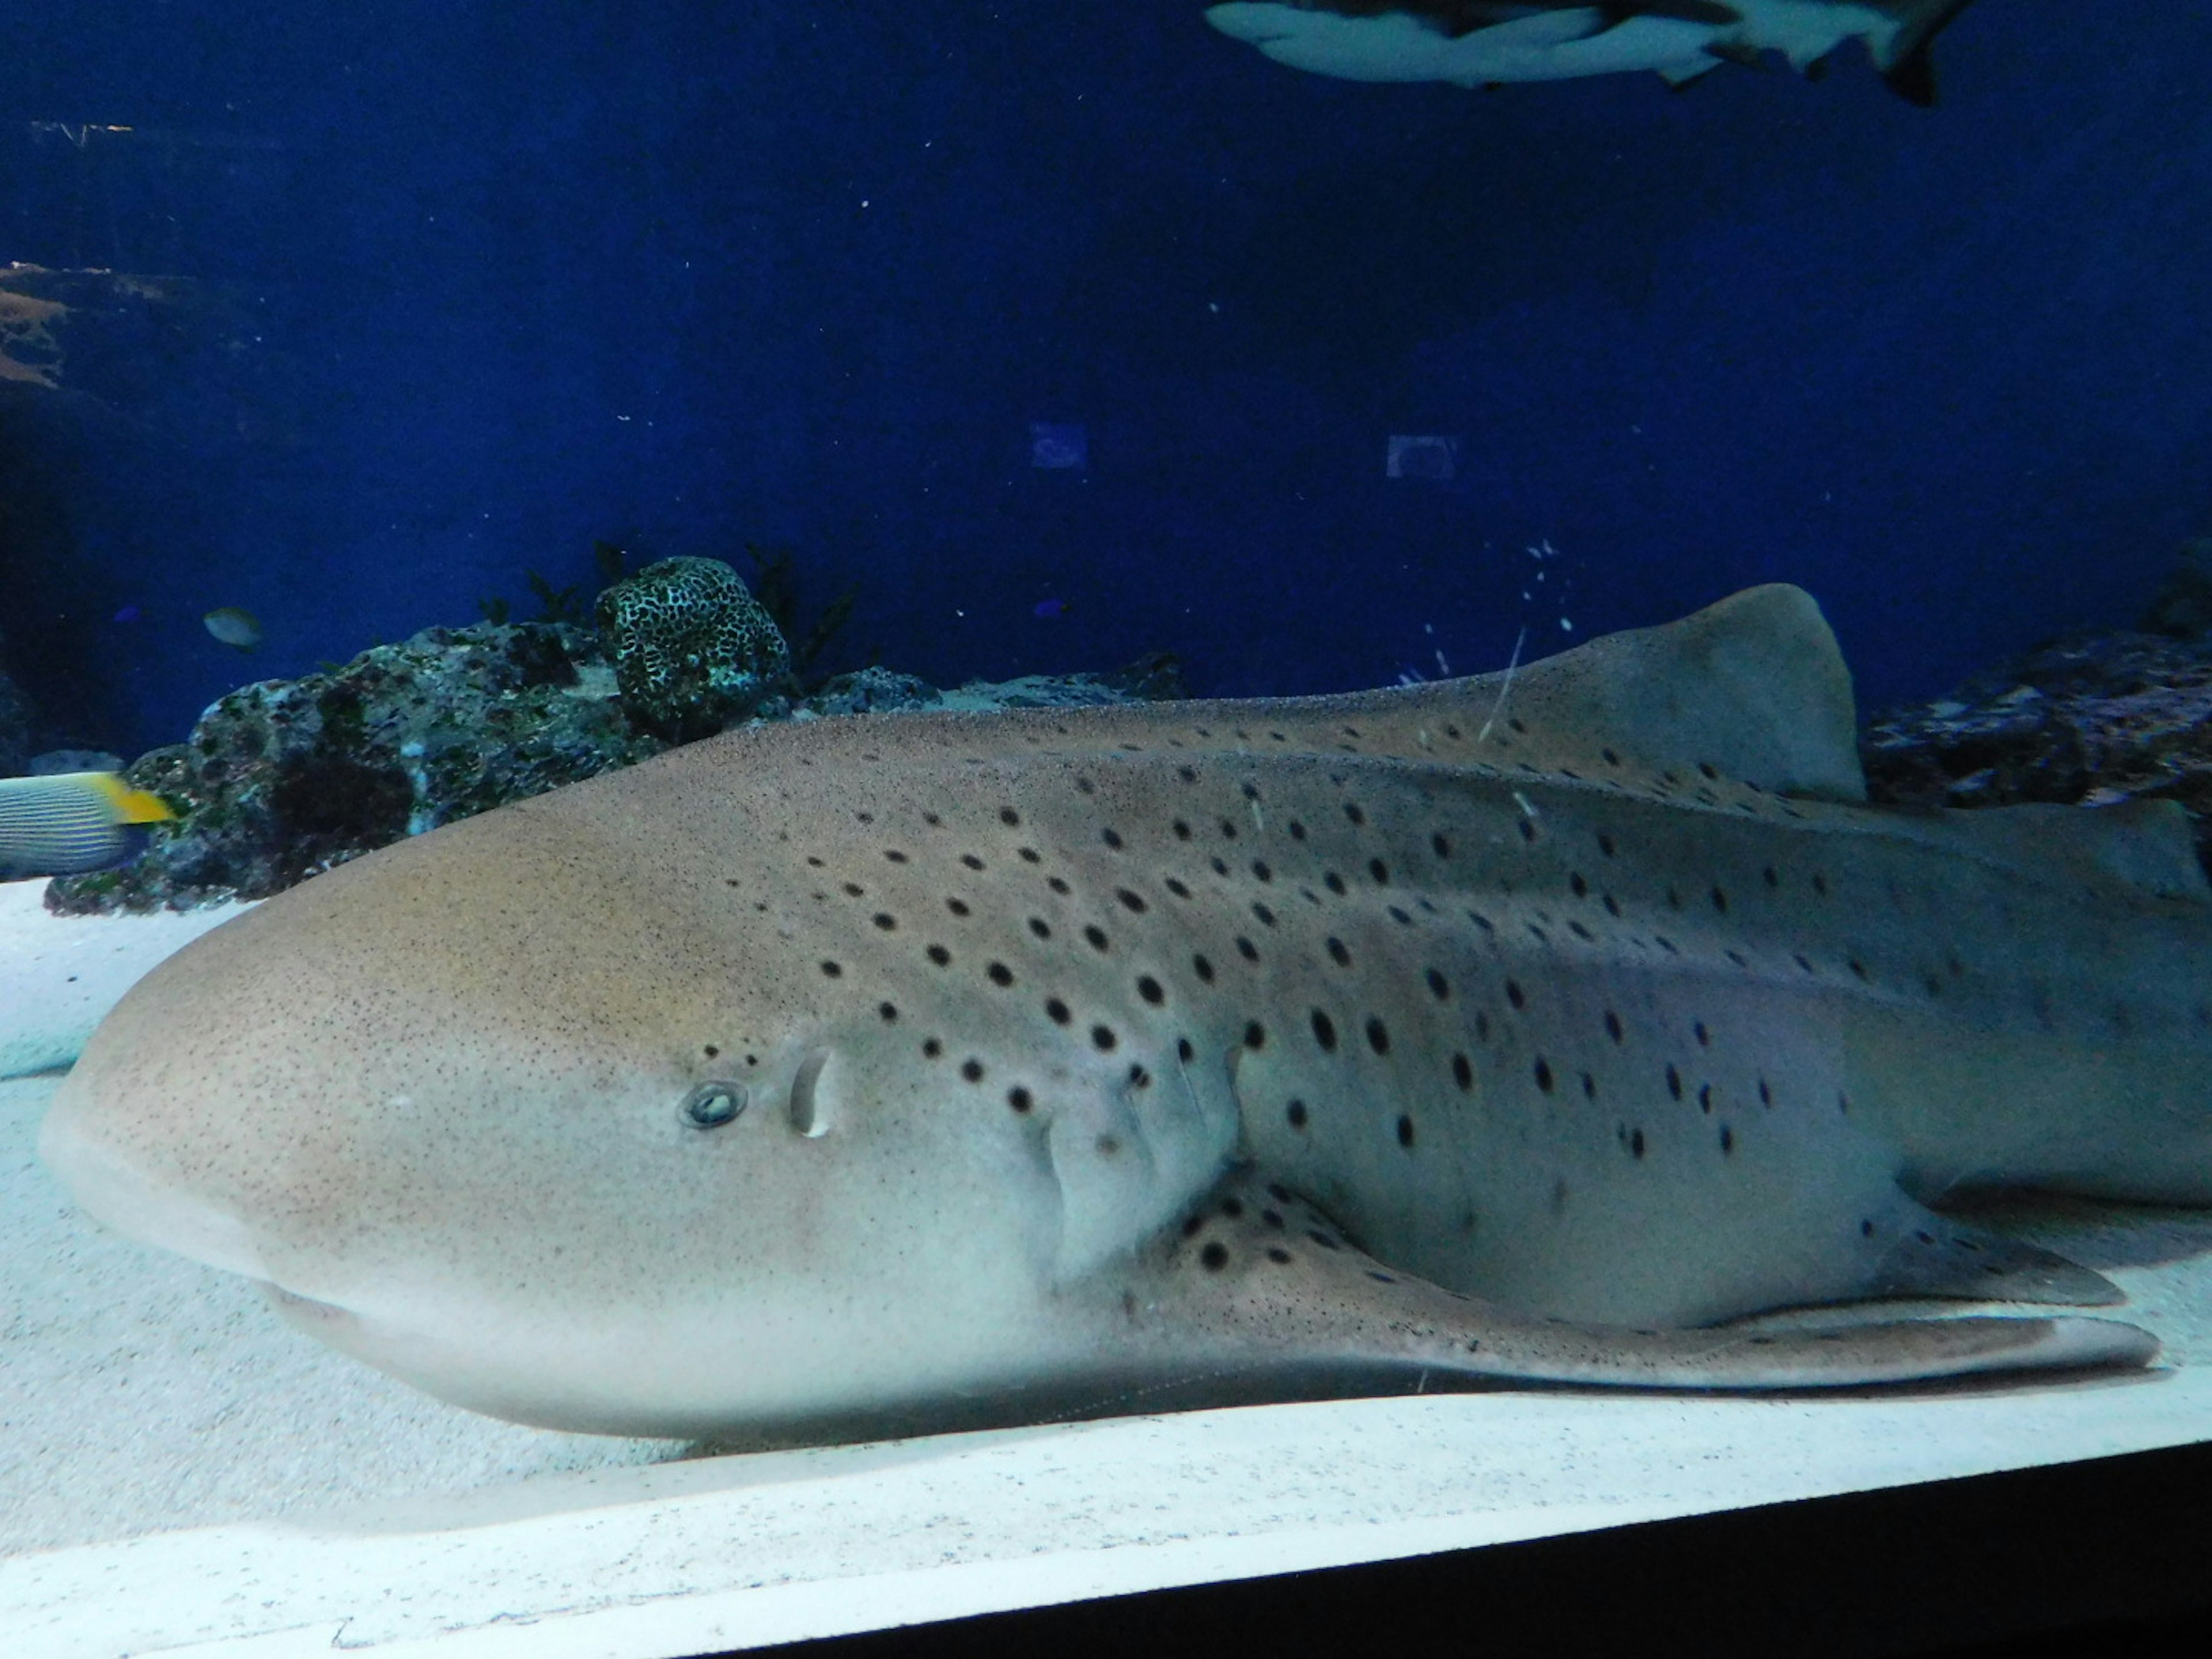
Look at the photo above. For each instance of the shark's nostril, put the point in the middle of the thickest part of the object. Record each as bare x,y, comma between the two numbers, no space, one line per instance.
806,1114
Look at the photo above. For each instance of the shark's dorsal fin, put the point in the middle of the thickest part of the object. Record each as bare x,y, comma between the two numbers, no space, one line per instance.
1753,686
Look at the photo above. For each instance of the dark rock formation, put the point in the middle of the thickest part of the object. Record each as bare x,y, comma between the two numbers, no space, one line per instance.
283,779
2088,719
15,722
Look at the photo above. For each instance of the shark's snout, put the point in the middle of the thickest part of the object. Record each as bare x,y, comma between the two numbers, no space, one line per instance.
92,1156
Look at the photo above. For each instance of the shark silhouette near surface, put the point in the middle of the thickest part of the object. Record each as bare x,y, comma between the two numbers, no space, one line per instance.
1512,1028
1474,43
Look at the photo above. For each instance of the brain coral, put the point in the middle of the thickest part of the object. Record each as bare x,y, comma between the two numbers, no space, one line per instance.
692,648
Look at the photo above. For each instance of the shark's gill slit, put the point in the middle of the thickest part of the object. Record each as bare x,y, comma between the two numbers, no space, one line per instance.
807,1115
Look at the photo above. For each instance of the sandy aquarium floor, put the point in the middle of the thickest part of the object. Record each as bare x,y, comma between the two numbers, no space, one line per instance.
179,1468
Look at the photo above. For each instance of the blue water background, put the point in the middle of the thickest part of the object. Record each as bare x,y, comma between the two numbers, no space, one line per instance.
688,275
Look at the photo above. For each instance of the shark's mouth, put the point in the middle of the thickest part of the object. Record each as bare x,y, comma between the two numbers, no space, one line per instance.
324,1319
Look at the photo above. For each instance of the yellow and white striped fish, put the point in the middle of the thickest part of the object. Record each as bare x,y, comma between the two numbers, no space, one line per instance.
72,821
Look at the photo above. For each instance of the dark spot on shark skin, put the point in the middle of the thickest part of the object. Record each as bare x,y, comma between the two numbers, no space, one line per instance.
832,969
1462,1073
1103,1039
1405,1130
1019,1098
1727,1139
939,955
1338,953
1233,1208
1613,1028
1255,1034
1295,1113
1543,1074
1277,1254
971,860
1193,1225
1324,1030
1215,1255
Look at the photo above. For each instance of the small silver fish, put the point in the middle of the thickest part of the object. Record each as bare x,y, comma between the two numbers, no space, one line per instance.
238,628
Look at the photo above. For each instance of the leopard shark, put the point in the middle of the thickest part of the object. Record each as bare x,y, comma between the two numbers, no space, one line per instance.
1476,43
1542,1027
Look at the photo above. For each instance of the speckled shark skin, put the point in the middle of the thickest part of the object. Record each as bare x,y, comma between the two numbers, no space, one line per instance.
1504,1028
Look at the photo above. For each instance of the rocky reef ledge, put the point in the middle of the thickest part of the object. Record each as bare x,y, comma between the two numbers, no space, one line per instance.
2085,720
285,778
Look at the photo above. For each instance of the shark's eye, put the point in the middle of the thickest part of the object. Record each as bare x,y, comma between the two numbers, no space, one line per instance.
711,1105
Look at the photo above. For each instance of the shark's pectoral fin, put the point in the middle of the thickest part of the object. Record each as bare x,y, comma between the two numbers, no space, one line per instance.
1259,1283
1945,1258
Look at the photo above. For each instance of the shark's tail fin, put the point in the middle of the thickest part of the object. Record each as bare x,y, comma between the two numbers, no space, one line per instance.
1908,66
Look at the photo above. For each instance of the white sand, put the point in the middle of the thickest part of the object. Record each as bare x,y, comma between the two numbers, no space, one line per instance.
141,1395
